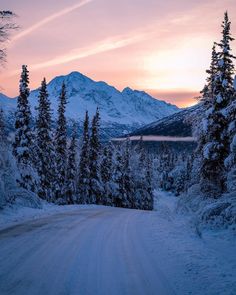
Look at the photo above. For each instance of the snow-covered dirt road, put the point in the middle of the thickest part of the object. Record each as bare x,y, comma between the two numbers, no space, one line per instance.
90,251
110,251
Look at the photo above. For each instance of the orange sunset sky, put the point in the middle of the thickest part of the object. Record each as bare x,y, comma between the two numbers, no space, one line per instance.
160,46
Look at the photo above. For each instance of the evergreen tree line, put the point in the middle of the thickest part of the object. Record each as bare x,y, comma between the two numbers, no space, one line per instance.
213,164
65,171
172,170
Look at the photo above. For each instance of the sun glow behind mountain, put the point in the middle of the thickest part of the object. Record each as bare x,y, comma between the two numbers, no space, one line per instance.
162,48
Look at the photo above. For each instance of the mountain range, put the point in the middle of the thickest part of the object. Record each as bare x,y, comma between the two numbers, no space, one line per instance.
121,111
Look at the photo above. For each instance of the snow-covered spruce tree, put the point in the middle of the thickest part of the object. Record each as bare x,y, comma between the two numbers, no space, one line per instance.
180,176
2,159
71,169
3,134
149,200
118,180
207,97
106,175
84,172
45,148
95,188
225,76
141,152
230,161
216,146
140,177
128,197
61,148
167,161
8,169
22,145
189,168
207,94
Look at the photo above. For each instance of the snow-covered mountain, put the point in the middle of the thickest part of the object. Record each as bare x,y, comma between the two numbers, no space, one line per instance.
7,103
121,112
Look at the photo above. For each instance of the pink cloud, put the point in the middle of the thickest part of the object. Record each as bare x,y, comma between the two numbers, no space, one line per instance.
157,45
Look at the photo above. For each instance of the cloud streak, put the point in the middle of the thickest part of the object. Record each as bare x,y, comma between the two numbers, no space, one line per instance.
96,48
49,19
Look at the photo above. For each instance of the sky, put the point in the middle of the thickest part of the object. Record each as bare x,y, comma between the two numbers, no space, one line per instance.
162,47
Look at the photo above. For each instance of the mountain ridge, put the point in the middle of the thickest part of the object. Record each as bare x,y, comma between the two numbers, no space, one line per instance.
122,111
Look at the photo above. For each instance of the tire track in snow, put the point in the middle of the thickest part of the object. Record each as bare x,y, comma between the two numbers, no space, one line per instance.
90,251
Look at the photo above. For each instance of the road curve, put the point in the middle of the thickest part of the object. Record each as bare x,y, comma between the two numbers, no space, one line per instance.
88,251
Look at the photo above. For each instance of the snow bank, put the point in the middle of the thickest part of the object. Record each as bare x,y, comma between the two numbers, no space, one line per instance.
209,213
205,261
20,211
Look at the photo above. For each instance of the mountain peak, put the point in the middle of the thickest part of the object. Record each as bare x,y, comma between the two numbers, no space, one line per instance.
73,77
127,90
122,111
77,75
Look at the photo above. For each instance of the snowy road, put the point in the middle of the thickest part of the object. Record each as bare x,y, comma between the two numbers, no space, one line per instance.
87,251
95,250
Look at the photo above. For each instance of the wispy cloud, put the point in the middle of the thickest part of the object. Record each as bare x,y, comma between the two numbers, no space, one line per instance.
49,19
96,48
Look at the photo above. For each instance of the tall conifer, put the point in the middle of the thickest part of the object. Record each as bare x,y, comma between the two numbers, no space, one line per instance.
71,169
83,177
22,145
61,146
45,149
95,189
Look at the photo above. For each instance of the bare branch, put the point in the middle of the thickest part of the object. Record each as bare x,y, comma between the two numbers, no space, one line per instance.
7,25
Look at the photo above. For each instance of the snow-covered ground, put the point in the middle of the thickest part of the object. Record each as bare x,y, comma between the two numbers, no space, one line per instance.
102,250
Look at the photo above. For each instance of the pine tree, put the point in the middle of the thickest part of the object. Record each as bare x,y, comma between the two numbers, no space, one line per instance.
224,83
61,147
3,135
8,169
149,201
167,161
118,180
208,90
215,145
71,170
142,182
128,197
230,161
83,177
208,96
106,175
22,146
141,152
95,189
45,149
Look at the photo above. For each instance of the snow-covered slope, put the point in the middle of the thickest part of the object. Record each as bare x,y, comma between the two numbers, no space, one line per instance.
177,124
6,103
120,111
126,107
9,106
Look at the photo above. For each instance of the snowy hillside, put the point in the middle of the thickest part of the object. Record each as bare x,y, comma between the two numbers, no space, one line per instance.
177,124
6,103
120,111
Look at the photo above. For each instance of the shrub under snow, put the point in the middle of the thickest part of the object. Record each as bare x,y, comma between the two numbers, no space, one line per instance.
208,212
10,192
